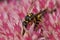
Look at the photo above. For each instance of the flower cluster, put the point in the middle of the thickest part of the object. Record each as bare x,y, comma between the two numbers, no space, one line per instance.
13,13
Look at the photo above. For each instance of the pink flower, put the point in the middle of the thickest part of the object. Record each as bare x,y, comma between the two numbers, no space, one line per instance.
13,13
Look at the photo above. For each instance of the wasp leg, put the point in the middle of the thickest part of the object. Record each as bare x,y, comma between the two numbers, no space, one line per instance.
36,26
53,10
25,24
23,32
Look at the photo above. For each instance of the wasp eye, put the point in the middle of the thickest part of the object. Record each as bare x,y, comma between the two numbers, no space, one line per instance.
25,23
29,17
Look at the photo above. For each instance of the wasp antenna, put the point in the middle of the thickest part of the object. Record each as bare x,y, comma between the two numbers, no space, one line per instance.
47,4
30,8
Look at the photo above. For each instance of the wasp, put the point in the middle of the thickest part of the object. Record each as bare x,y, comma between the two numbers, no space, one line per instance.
36,18
33,17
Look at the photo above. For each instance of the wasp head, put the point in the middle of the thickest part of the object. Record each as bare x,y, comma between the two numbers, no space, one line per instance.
29,17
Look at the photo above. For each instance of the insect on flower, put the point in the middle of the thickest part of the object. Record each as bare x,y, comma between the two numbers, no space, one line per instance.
36,18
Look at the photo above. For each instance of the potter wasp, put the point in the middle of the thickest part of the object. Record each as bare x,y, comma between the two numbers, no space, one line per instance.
36,18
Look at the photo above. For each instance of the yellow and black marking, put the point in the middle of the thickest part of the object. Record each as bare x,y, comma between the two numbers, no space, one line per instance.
36,18
29,17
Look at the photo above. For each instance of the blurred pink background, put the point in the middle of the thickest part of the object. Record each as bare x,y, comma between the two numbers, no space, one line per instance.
13,11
